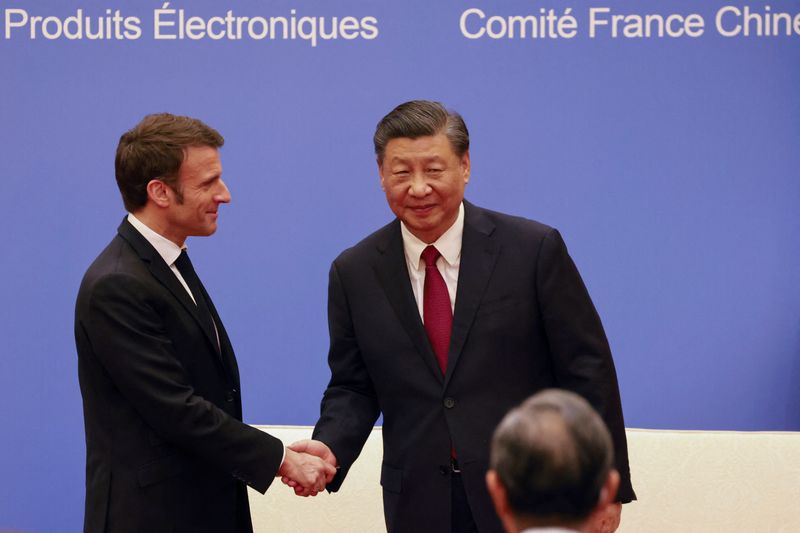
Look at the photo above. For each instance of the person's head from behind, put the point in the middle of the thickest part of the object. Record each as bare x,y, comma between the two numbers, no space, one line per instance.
551,463
169,172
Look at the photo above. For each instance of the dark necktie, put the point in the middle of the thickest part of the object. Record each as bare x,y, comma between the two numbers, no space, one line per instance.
436,311
186,269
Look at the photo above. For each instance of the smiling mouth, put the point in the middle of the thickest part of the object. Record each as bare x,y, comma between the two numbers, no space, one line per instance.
422,208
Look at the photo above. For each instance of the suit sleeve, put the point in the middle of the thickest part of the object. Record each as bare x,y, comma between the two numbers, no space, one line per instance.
349,406
128,337
581,355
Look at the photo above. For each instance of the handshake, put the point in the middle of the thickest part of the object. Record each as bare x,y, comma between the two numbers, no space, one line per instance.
309,465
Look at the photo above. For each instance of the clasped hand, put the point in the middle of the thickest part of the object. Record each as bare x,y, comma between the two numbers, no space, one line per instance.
309,465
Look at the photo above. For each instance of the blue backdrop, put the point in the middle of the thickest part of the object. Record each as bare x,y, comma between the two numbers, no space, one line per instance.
669,163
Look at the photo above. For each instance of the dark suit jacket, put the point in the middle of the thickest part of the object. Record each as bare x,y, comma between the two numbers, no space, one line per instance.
166,450
523,321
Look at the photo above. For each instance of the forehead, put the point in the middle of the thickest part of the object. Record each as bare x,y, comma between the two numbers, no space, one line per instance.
427,147
200,160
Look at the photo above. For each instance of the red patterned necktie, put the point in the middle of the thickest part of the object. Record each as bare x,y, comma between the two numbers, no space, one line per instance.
436,311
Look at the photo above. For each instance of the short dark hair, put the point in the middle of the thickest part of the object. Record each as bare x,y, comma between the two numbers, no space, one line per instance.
553,455
155,149
421,118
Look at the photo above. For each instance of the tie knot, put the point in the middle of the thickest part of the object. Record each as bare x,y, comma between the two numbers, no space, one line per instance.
430,255
184,264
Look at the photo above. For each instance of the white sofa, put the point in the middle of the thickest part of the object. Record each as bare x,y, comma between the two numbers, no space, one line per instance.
686,481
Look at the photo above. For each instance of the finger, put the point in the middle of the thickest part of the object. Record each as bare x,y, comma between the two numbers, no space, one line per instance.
330,472
305,492
299,446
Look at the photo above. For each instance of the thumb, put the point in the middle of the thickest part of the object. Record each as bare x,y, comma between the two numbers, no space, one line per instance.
299,446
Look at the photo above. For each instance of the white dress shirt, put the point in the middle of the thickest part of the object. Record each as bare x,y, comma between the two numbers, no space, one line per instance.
449,245
168,250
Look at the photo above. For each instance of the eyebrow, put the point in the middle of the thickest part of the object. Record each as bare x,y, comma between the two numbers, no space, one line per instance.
397,159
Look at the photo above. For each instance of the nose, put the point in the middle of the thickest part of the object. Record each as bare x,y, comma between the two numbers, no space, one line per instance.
223,196
418,186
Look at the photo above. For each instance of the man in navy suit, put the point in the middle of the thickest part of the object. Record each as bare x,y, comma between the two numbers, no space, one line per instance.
166,448
443,320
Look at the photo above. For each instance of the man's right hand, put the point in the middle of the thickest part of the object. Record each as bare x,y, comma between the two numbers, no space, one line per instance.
308,472
318,449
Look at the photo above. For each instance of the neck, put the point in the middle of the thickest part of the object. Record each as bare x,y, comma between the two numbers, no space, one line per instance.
156,223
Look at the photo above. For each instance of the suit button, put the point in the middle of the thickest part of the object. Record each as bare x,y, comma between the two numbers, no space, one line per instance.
443,470
449,402
229,397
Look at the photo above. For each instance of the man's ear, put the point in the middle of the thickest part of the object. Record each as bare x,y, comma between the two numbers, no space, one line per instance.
465,166
498,492
157,192
380,173
609,490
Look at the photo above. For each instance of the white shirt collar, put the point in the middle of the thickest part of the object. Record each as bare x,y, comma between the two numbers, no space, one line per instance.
167,249
449,244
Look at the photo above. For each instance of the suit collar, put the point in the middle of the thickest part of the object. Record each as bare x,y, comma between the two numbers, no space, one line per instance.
162,272
479,252
137,241
168,250
478,255
392,273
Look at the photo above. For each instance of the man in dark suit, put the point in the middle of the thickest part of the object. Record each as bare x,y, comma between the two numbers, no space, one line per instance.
443,320
166,448
551,465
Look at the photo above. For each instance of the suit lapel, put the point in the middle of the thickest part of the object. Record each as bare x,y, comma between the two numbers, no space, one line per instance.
225,347
478,255
392,273
161,271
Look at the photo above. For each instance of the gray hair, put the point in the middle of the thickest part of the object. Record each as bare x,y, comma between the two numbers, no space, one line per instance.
553,455
421,118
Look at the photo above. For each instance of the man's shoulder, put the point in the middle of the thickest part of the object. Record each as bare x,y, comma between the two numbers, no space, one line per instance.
116,265
504,223
376,242
112,257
